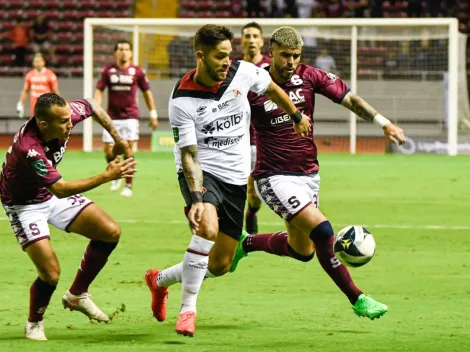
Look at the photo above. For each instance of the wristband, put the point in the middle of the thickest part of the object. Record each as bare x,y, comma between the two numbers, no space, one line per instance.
381,121
196,197
153,114
296,117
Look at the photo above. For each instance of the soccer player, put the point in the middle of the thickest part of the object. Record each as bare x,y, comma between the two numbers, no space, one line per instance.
38,81
123,78
210,117
286,172
33,194
252,42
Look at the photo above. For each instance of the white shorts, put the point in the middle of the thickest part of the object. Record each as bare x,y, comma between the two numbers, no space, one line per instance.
287,195
30,222
253,156
128,128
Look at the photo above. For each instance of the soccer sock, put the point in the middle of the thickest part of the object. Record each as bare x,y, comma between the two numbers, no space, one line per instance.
170,276
174,275
95,257
323,239
40,295
274,243
195,264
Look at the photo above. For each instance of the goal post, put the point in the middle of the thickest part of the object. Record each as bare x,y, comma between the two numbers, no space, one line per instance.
383,60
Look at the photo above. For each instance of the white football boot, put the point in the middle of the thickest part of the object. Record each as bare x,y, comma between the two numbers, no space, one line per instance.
35,330
126,192
85,305
115,185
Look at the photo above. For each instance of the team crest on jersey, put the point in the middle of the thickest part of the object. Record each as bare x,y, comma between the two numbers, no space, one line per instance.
40,167
237,92
131,71
79,107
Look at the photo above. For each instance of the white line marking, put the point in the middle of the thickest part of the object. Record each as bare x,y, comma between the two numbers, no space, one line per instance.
277,224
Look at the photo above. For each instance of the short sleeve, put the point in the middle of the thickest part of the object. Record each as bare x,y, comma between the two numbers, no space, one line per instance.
142,81
43,169
329,85
103,81
182,125
81,110
260,78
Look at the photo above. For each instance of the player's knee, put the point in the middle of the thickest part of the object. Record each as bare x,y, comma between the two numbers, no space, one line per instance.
51,276
303,258
208,231
113,232
323,230
220,266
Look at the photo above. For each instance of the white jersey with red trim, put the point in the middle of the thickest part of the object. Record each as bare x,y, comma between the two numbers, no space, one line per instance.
217,120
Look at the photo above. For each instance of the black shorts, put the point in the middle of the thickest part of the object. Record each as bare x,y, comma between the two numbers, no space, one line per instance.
228,199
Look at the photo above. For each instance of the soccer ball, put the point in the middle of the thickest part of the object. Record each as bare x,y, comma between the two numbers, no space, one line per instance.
354,246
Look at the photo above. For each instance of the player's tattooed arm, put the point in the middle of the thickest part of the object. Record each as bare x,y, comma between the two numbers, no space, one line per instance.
102,117
359,106
191,168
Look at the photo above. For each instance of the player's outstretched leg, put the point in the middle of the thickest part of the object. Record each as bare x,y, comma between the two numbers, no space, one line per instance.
312,221
95,224
254,204
273,243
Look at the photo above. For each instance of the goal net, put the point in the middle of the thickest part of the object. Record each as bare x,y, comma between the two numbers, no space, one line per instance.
408,69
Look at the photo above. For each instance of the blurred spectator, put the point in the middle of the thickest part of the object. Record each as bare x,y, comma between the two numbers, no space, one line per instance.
335,9
237,8
357,8
415,8
305,8
254,9
41,34
433,7
291,9
20,38
376,10
325,61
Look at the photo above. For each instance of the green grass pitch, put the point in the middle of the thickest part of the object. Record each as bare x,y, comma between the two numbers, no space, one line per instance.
416,207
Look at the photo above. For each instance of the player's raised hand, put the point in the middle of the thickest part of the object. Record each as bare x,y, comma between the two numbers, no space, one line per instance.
117,169
122,147
303,128
394,133
195,215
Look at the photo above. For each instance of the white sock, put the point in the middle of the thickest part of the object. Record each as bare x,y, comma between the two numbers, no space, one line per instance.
174,275
170,276
195,264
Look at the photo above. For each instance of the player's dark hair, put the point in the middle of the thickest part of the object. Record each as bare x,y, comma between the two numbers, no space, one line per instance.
44,104
252,25
122,42
210,35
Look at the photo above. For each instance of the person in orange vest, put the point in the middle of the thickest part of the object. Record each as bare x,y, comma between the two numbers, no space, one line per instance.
38,81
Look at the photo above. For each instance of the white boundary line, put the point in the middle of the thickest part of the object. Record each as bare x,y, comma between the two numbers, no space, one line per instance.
277,224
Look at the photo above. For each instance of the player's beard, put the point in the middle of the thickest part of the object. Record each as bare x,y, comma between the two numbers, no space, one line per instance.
285,75
212,73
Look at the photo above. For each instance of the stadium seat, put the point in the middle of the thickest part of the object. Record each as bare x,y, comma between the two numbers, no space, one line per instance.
14,4
69,4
